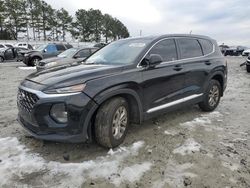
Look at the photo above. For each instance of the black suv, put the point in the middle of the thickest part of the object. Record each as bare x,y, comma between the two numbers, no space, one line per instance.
125,82
31,58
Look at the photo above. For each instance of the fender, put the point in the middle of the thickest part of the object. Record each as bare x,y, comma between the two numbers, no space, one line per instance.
217,72
111,92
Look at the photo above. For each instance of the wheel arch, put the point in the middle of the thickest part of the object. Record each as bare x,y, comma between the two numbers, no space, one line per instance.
131,96
219,76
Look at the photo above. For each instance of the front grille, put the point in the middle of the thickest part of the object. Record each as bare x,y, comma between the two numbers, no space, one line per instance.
26,100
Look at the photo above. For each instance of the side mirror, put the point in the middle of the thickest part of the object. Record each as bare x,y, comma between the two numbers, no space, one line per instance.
154,59
45,50
76,56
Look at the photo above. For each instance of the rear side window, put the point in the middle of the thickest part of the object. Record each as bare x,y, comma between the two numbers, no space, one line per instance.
166,49
189,48
206,45
60,47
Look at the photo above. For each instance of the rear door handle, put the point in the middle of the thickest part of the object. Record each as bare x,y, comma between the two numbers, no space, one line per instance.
208,62
177,68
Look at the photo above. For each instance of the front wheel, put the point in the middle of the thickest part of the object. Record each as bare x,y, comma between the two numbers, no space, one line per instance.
248,68
211,97
111,122
34,61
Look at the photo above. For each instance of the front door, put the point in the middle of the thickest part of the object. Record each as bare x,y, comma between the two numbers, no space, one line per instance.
164,83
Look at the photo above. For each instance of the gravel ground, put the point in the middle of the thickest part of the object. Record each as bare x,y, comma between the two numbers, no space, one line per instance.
184,148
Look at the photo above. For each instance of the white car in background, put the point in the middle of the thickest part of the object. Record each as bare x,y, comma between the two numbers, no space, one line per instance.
24,45
246,52
4,46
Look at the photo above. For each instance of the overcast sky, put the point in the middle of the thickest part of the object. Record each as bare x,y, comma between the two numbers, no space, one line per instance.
226,21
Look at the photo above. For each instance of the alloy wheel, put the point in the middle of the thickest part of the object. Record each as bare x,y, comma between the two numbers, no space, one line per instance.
213,96
119,123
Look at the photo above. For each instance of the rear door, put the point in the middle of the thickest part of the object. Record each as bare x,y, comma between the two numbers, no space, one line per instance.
164,83
195,65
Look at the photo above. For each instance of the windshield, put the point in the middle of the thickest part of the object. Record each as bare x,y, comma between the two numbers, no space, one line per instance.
41,48
119,52
68,53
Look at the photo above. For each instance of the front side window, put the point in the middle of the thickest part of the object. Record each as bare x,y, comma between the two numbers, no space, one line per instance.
51,48
166,49
189,48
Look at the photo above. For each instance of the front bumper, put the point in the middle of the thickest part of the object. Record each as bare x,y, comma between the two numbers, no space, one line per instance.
36,119
26,59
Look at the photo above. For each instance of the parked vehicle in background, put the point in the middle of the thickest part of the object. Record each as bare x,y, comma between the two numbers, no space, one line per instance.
100,45
234,51
24,45
247,64
246,52
13,54
68,57
31,58
125,82
2,46
223,48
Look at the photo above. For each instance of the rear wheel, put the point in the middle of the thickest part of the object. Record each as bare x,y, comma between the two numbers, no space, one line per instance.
34,61
1,59
111,122
248,68
211,97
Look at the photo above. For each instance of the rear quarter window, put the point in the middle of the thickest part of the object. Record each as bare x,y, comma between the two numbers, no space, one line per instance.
68,46
206,45
60,47
189,48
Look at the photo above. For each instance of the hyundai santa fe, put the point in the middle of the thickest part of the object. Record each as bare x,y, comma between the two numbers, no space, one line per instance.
127,81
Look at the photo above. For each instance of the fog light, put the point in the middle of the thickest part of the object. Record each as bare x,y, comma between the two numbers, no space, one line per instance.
58,113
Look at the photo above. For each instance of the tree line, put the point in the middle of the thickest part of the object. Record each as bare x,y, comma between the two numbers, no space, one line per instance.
37,20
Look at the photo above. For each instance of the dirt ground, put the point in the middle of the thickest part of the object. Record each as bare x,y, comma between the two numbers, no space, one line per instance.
184,148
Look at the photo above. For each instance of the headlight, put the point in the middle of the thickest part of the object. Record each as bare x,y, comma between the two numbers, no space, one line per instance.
65,90
58,113
51,64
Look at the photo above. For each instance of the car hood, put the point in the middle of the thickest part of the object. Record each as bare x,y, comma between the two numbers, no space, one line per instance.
66,76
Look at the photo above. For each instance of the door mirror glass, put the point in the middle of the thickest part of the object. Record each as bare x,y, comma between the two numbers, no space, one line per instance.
154,59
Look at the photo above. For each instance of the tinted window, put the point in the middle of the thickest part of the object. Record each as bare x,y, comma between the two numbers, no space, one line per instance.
166,49
93,50
8,45
84,53
189,48
207,46
51,48
60,47
68,46
1,46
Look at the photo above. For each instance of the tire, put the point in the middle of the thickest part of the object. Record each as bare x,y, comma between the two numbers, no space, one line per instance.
109,130
211,97
248,68
1,59
34,61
